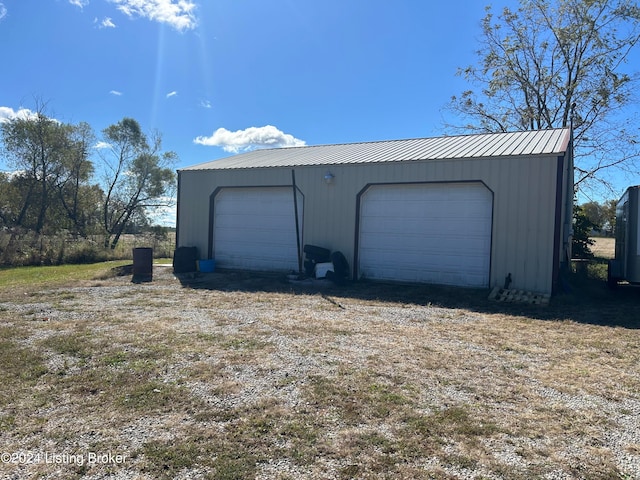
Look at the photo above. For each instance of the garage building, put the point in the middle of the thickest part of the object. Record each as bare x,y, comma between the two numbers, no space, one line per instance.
459,210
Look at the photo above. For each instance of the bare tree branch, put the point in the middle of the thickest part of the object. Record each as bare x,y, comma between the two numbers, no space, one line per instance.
555,63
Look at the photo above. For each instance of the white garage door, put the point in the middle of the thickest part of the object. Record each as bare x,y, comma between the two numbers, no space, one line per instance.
433,233
255,228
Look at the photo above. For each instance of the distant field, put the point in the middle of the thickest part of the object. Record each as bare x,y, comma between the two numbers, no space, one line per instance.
604,247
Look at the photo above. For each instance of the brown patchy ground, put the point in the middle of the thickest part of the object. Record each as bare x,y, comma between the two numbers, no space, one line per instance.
231,375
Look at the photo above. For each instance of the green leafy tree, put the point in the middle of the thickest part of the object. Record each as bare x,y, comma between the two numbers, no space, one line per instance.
609,215
38,148
52,170
582,226
595,213
138,177
601,216
7,200
78,200
551,62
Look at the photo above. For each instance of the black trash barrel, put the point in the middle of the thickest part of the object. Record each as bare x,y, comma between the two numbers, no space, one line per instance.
184,259
142,264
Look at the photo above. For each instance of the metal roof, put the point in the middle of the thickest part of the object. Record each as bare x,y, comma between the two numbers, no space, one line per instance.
534,142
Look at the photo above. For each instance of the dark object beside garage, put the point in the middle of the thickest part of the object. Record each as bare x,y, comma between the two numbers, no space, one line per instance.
314,255
317,254
184,259
142,264
340,268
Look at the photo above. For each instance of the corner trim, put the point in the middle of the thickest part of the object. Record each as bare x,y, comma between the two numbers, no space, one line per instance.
557,227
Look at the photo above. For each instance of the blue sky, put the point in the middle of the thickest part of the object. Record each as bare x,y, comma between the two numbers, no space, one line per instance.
276,72
216,77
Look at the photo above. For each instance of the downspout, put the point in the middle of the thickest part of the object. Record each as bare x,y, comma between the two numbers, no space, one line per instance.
557,227
563,226
178,210
569,199
212,203
295,208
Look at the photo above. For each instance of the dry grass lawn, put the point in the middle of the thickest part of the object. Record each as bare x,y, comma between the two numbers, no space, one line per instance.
231,376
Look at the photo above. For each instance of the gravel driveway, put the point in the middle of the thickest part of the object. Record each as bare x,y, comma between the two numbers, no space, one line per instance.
229,375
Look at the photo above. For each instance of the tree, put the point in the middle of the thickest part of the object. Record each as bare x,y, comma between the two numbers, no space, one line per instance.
582,226
49,187
553,63
601,216
35,147
76,197
595,213
137,177
609,215
7,201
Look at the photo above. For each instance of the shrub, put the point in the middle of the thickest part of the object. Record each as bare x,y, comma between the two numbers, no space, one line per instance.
20,247
86,251
582,228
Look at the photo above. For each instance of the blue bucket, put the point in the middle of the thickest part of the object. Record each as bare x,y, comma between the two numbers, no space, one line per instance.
207,266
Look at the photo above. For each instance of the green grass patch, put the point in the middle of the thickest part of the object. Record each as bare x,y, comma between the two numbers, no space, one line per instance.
163,261
152,395
19,364
116,358
7,422
358,397
252,434
223,460
428,434
72,344
166,460
52,276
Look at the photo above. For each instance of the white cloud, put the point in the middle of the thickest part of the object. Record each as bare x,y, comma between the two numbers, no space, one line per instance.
250,139
79,3
102,145
205,103
179,14
116,93
172,94
107,23
8,113
3,11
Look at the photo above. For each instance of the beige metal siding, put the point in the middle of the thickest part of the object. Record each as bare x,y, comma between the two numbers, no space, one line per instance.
524,205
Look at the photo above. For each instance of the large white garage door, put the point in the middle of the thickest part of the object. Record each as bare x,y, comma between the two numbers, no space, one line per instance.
433,233
255,228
